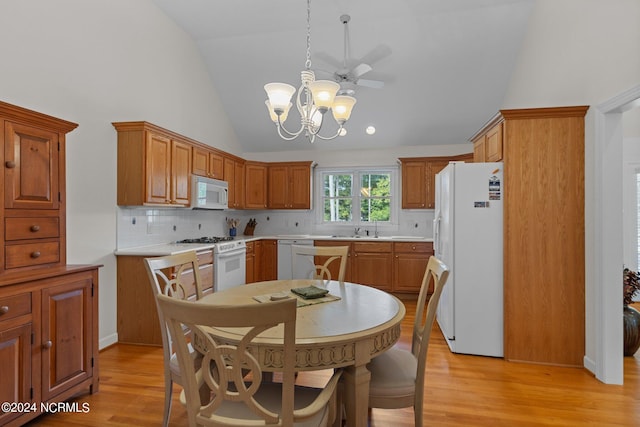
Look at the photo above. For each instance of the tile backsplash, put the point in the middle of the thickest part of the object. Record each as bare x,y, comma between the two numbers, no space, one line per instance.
141,226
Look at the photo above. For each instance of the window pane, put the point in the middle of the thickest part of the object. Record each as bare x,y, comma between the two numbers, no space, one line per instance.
375,185
378,209
338,210
337,185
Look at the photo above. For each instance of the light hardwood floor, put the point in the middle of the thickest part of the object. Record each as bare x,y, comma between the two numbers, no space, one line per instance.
460,391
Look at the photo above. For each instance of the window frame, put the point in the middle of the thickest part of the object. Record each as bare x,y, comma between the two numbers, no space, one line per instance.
356,198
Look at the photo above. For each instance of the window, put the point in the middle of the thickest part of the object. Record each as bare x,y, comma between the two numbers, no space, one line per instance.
356,197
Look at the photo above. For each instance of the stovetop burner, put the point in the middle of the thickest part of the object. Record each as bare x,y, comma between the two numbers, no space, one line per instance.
206,240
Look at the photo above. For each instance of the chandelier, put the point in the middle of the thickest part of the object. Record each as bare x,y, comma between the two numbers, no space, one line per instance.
315,98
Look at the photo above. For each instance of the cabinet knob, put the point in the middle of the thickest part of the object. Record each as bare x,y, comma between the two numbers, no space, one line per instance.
413,247
4,309
34,228
35,254
47,344
10,164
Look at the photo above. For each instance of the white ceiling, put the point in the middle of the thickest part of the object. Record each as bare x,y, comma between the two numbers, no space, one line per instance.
447,72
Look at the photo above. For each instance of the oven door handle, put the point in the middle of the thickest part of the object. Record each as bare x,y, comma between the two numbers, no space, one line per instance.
231,254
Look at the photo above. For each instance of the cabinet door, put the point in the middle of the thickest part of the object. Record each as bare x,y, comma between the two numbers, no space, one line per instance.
180,173
433,168
256,186
414,185
300,187
216,166
493,142
158,164
479,151
257,260
373,269
278,187
66,334
229,176
15,367
269,261
200,162
408,271
238,187
31,168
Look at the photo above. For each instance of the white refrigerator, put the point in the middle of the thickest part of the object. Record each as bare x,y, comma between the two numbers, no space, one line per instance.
467,229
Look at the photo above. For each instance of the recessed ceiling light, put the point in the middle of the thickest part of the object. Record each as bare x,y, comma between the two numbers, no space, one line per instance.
370,130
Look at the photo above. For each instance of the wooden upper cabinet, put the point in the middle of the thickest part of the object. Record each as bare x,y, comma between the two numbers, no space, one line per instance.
487,143
234,175
414,184
31,167
154,165
168,170
255,185
206,162
289,185
158,167
418,179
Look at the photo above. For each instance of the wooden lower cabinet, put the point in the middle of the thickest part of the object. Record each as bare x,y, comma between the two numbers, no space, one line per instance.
48,337
266,261
372,264
409,265
390,266
137,315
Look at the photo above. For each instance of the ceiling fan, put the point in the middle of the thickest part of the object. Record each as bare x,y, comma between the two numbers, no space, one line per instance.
349,77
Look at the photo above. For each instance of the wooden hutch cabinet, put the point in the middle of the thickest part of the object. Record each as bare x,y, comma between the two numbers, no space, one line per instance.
544,232
48,310
419,179
154,166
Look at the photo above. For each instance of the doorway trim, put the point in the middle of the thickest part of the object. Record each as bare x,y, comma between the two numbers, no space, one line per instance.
608,251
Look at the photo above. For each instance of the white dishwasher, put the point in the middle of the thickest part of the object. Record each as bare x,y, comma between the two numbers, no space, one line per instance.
284,256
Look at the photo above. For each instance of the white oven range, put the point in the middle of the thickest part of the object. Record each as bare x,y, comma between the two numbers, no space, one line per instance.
229,264
229,260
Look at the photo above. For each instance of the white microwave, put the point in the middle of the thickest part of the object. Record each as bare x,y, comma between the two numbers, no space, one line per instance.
207,193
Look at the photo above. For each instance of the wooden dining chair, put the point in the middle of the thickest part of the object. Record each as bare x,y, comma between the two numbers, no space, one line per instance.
236,398
397,375
303,262
176,276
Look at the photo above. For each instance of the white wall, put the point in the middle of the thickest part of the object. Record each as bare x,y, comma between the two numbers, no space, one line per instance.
579,52
93,63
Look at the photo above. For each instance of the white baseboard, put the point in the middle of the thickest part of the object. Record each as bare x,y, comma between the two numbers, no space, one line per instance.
107,341
590,365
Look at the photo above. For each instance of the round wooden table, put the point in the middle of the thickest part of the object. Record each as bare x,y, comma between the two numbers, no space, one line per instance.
345,333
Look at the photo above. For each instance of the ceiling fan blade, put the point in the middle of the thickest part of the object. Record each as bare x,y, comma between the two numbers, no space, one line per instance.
360,70
376,84
378,53
327,59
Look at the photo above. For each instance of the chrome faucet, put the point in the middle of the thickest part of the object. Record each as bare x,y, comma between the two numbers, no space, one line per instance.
357,231
375,233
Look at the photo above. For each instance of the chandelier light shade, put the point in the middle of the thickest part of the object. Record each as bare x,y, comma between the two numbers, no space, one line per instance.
315,98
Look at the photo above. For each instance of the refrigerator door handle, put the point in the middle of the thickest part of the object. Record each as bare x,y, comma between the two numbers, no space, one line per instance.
436,236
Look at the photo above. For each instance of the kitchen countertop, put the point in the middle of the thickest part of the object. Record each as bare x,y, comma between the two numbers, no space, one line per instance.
175,248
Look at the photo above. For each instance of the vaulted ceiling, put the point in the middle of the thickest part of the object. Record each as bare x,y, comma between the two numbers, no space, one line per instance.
445,64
